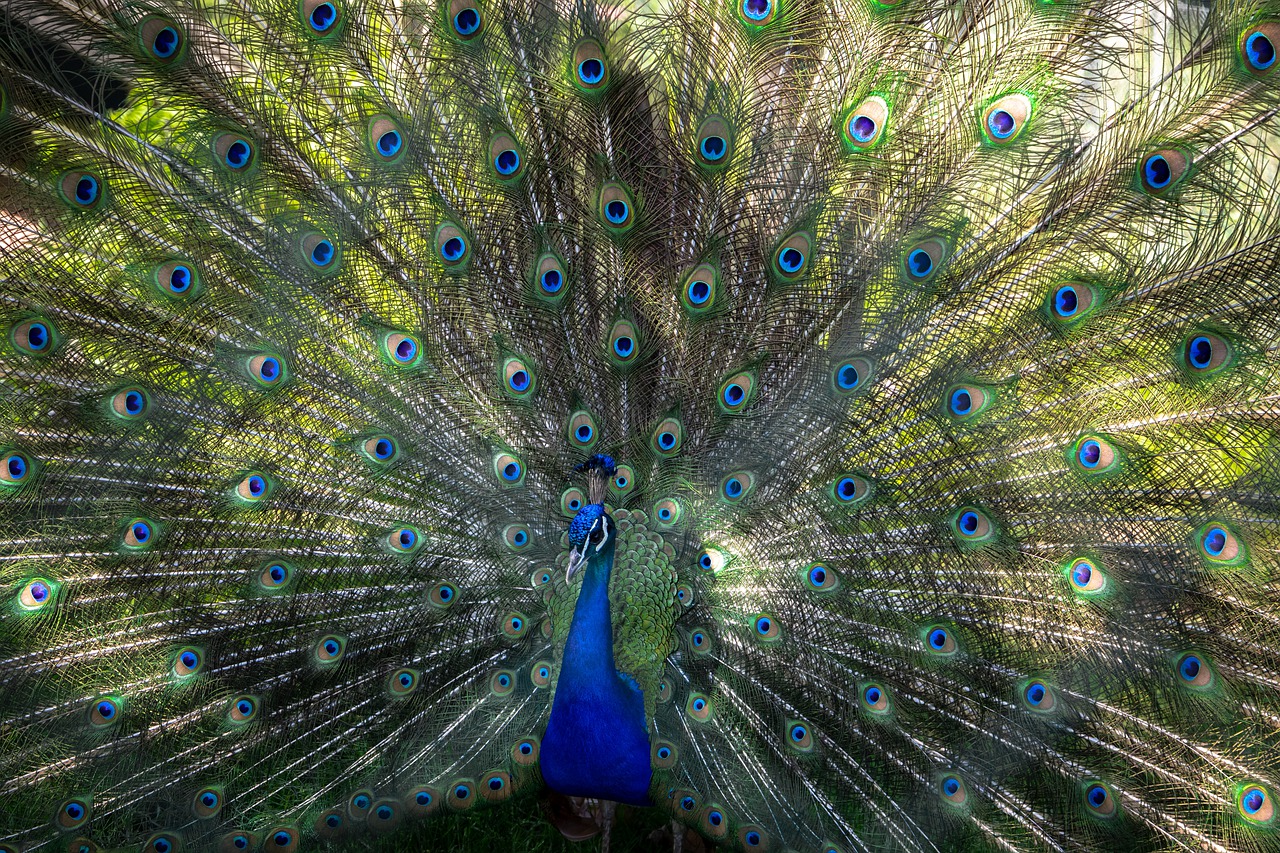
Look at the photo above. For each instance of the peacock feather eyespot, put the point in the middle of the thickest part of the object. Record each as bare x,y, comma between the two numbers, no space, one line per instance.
384,816
540,673
736,392
127,405
667,438
37,593
281,839
187,663
405,540
875,699
714,822
850,490
589,69
616,208
466,22
827,846
514,625
699,707
162,40
18,469
1205,354
275,576
799,736
939,640
685,595
207,803
253,487
104,712
736,486
966,401
495,786
461,795
1195,671
1256,804
1037,696
623,347
176,279
665,692
516,537
791,257
540,578
139,534
73,813
506,158
519,379
624,481
234,152
359,804
863,125
268,370
752,837
320,253
818,577
664,755
502,683
422,801
953,790
1005,118
81,190
582,430
331,826
1220,545
1069,302
971,526
549,278
1100,800
766,628
700,644
322,18
242,710
525,752
453,246
442,595
922,261
668,512
1086,576
850,376
379,449
163,842
330,650
758,13
1162,170
698,289
1094,455
77,845
683,803
386,140
1258,48
403,682
714,146
508,469
572,499
34,336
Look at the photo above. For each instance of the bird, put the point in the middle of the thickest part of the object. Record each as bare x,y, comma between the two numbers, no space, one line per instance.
823,425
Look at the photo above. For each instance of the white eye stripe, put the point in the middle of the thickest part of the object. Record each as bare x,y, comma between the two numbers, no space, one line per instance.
603,521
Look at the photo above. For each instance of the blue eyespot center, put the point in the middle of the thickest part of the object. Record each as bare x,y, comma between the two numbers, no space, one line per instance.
756,10
1253,800
133,402
616,211
1097,796
961,402
862,128
507,162
666,441
688,803
1001,124
384,812
282,839
872,695
584,432
699,292
37,336
189,659
389,143
277,574
818,576
322,253
712,147
383,448
1200,352
245,707
141,532
623,345
1066,301
39,591
333,821
847,377
17,467
238,153
423,798
1035,693
322,18
715,818
1090,453
1215,540
75,811
453,249
1190,667
551,281
462,792
790,259
733,487
406,350
919,263
1260,51
969,522
699,704
951,786
938,638
179,279
165,44
519,380
257,485
331,647
511,471
1081,574
704,561
86,190
1157,171
106,710
467,21
209,798
269,370
847,489
591,71
733,393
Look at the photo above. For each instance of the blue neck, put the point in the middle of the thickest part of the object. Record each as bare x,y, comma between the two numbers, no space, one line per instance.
597,742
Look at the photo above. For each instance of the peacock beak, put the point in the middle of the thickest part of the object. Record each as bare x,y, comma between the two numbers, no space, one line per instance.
576,558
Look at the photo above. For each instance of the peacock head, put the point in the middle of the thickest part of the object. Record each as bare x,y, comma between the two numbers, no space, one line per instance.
593,531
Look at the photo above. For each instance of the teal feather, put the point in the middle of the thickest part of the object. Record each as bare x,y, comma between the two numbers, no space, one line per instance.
935,344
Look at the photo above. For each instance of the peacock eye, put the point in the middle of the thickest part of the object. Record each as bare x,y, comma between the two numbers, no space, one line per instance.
596,535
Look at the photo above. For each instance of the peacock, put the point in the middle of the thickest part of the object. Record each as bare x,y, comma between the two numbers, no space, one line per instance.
818,426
